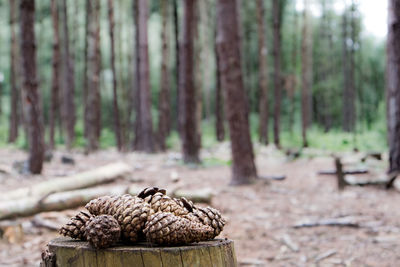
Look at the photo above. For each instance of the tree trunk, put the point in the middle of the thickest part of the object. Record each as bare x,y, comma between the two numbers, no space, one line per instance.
393,85
262,75
190,144
293,81
348,68
85,71
177,64
306,74
164,111
14,118
93,78
55,83
30,86
217,253
219,101
144,134
276,12
228,48
117,127
68,88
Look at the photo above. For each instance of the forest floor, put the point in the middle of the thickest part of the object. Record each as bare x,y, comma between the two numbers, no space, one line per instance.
261,216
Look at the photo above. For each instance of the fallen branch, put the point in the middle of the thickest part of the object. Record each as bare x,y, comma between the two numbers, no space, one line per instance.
287,241
273,177
58,201
340,222
334,172
39,221
325,255
97,176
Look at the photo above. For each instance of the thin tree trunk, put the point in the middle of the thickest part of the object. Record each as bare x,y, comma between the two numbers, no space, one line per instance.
306,74
68,88
393,85
263,75
93,78
14,118
228,47
117,127
293,81
177,62
144,135
30,86
219,101
164,110
188,109
276,12
198,68
55,83
348,68
85,70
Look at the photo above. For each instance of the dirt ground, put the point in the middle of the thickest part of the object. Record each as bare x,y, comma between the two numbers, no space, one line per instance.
261,216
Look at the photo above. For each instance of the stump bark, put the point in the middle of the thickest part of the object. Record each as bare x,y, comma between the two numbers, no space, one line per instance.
217,252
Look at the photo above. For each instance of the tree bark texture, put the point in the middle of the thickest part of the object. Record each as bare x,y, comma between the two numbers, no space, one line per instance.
217,253
68,84
228,48
55,81
177,62
85,71
293,82
15,88
262,75
188,111
276,13
219,101
393,85
306,75
30,86
144,134
164,110
117,126
93,76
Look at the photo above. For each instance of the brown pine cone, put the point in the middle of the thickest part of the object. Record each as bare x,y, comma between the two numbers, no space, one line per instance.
211,217
163,203
149,191
102,231
130,212
165,228
75,228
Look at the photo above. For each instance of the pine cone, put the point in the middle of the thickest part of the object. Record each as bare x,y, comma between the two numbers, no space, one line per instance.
167,229
75,228
211,217
149,191
102,231
163,203
130,212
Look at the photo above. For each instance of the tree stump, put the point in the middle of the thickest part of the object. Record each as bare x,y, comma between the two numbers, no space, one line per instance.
68,252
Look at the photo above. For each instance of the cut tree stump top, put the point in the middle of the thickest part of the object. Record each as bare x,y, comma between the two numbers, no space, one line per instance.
217,252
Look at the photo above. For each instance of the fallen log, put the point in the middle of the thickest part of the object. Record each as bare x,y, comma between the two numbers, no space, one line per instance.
202,195
85,179
58,201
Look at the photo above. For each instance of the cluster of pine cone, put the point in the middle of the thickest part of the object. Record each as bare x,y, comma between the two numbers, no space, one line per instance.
150,216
